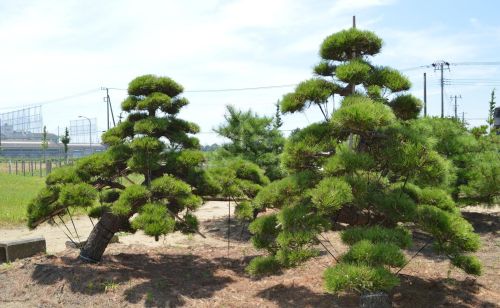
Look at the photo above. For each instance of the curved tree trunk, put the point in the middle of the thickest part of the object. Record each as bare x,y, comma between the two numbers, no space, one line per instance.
101,235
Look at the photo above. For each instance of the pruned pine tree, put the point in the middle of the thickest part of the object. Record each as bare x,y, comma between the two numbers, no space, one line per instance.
366,165
151,142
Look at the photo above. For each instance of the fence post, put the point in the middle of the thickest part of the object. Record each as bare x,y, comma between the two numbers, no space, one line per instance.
23,163
32,169
10,166
16,167
40,168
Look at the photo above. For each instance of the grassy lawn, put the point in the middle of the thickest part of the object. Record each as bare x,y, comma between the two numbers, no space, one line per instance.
15,193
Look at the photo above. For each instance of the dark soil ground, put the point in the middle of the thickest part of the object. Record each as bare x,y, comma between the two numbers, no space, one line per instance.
208,276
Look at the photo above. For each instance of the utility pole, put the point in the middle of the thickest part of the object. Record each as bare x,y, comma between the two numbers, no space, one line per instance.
425,94
456,97
463,118
109,108
353,86
439,65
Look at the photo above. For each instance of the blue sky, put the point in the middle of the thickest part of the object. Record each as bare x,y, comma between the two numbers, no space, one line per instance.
52,49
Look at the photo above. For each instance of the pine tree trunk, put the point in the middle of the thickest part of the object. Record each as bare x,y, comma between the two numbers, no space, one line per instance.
101,235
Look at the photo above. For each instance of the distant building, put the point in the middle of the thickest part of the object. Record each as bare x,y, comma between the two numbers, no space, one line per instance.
15,144
7,132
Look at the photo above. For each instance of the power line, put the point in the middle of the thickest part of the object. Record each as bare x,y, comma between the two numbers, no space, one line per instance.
415,68
242,89
477,63
230,89
436,66
471,63
55,100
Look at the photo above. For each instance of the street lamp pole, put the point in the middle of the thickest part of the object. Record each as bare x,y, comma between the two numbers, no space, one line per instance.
90,132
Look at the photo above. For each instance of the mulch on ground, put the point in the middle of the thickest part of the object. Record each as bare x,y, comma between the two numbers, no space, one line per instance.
203,276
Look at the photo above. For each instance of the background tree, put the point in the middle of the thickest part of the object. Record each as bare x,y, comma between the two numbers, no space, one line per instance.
254,138
491,111
453,141
474,176
156,146
368,165
479,131
240,181
65,141
481,171
277,117
482,177
45,142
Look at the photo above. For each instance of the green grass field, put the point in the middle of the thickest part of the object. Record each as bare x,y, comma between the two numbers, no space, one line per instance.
15,193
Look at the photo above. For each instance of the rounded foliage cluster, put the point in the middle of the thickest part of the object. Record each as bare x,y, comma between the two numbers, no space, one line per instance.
341,45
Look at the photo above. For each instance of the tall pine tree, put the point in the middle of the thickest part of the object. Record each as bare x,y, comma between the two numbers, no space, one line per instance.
366,165
151,142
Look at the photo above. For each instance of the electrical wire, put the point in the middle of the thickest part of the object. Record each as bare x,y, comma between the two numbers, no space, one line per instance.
447,82
477,63
55,100
229,89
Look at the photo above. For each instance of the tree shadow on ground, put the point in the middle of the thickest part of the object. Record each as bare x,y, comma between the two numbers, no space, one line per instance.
238,265
421,239
413,292
447,292
218,227
300,296
483,222
163,280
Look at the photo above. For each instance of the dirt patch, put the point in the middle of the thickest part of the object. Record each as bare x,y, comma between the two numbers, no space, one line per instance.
203,273
212,215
